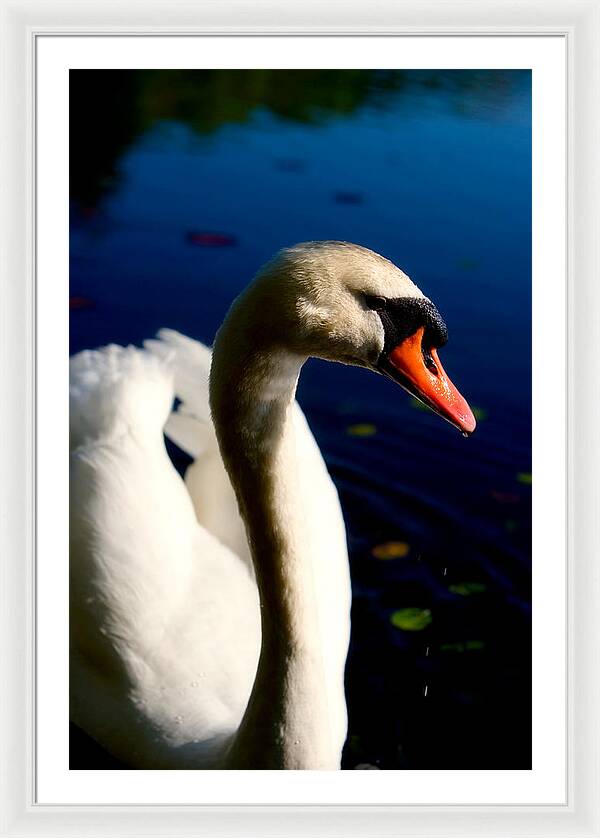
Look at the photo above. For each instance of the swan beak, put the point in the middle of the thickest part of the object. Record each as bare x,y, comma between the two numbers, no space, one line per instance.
420,372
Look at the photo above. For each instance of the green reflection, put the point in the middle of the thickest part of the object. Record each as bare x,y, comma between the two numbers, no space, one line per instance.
109,109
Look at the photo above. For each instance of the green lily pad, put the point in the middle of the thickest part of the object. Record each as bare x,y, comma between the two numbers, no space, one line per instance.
467,263
524,477
467,588
465,646
418,405
411,619
348,407
362,429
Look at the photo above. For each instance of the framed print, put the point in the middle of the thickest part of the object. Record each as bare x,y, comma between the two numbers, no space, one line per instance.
351,584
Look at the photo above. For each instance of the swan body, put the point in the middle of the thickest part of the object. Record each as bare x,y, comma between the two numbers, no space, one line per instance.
202,637
165,618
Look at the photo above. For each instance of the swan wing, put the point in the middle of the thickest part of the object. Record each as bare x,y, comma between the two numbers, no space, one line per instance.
164,619
190,427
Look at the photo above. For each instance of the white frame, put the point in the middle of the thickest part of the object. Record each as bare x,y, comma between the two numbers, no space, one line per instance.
21,22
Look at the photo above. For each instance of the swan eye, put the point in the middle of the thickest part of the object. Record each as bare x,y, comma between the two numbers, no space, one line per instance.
376,303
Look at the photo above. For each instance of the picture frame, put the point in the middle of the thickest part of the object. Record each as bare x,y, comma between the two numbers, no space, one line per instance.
21,25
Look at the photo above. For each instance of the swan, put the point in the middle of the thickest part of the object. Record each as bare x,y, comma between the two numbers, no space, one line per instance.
210,620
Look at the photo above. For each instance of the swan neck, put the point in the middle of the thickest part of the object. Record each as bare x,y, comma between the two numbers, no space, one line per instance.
286,722
252,408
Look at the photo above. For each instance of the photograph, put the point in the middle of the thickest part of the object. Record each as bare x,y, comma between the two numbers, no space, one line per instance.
300,408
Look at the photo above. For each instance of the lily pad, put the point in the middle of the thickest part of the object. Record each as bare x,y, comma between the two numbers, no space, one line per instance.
391,550
290,164
411,619
464,646
467,263
344,197
467,588
504,497
524,477
210,238
348,406
76,303
418,405
362,429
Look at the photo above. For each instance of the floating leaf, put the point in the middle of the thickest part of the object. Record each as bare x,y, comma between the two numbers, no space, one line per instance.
467,264
290,164
362,429
76,303
524,477
210,238
480,413
467,588
88,213
348,198
348,407
391,550
466,646
504,497
418,405
411,619
452,647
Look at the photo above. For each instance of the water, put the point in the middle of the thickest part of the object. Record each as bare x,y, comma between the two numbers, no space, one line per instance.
183,184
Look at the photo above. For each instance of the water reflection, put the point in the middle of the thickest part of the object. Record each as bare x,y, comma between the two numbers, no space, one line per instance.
111,108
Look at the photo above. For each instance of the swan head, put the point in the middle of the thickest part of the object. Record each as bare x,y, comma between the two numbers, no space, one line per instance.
345,303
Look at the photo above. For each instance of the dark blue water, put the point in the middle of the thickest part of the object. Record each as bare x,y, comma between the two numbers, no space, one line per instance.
183,184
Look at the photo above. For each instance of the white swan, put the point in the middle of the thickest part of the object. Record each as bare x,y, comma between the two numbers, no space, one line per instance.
181,656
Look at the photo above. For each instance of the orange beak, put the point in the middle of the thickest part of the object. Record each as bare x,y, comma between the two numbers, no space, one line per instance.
419,371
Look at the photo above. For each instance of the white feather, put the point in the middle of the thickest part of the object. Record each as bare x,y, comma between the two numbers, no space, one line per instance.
156,599
165,629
